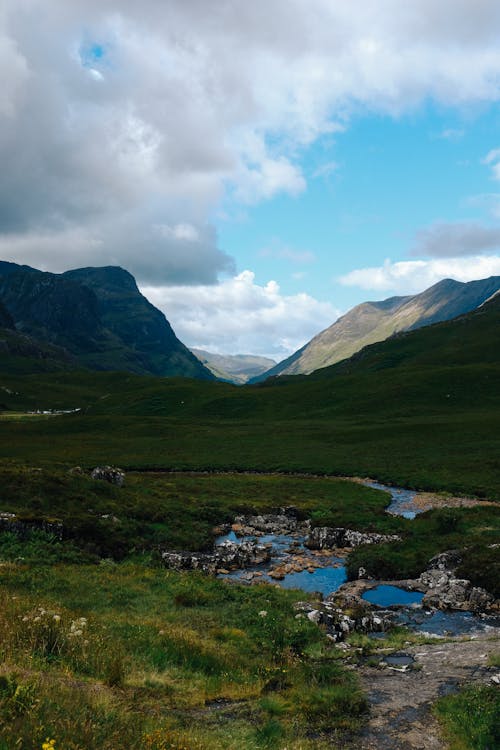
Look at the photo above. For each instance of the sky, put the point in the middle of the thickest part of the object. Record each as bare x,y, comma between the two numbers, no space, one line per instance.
260,167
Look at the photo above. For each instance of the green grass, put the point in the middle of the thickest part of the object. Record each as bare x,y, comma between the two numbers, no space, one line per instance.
141,662
471,719
167,510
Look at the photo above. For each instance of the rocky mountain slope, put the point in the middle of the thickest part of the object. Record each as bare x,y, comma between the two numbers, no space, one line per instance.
235,368
99,317
376,321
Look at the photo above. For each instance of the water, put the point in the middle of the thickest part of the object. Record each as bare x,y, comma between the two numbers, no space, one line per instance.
399,660
447,623
388,596
324,580
401,500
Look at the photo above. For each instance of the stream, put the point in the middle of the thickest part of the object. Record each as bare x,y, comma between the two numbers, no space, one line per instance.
325,574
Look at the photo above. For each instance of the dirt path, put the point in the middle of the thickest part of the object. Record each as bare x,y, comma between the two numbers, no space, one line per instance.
401,717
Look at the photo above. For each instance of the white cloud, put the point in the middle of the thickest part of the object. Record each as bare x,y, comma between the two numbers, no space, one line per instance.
450,240
493,160
451,134
124,114
240,316
411,277
326,169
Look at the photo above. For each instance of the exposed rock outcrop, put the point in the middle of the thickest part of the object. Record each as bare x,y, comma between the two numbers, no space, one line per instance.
446,591
228,555
325,537
284,521
340,621
23,527
110,474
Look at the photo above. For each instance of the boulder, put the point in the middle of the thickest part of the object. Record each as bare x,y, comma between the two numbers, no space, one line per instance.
446,591
266,523
110,474
339,623
325,537
227,556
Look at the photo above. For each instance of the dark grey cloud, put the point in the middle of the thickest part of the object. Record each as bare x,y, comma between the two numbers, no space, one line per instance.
453,240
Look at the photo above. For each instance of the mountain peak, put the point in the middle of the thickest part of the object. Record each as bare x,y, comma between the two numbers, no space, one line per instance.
110,277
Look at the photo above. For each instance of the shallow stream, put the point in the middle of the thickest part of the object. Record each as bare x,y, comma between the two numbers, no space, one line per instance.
331,575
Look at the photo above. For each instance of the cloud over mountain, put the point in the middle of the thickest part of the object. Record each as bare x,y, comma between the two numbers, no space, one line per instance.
120,122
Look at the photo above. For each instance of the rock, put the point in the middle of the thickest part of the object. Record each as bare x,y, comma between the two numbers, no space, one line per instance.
110,474
314,616
24,527
228,555
325,537
445,591
284,521
339,623
449,560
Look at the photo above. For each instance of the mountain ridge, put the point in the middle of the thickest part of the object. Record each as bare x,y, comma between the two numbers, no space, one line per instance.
375,321
99,316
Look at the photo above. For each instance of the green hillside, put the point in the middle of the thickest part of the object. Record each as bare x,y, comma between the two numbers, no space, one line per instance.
371,322
428,416
98,316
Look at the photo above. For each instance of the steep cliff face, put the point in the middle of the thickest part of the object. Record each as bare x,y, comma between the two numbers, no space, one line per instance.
99,316
6,320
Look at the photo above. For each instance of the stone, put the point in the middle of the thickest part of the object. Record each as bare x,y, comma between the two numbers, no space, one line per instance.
325,537
110,474
445,591
228,555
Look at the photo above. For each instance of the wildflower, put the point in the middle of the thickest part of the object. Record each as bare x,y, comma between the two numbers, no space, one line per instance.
48,744
263,613
57,618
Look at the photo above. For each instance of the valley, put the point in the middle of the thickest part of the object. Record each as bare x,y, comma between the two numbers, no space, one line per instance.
185,645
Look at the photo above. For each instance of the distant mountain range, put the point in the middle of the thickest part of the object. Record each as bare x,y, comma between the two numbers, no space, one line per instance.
235,368
376,321
91,317
96,318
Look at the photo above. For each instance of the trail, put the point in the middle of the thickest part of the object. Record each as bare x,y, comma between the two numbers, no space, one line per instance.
400,702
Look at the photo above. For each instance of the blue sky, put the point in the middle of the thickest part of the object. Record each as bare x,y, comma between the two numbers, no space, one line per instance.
259,167
370,189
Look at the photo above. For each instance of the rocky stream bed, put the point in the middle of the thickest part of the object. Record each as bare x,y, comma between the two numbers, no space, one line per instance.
279,548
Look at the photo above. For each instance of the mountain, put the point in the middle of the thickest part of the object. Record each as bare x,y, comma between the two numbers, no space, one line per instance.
375,321
99,317
5,318
234,368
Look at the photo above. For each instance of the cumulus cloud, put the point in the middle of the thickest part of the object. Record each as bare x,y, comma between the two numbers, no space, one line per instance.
117,118
239,315
451,240
411,277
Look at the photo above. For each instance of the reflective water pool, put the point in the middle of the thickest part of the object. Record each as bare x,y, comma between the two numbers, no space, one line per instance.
388,596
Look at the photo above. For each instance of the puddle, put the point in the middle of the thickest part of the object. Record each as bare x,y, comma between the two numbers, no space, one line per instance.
388,596
398,660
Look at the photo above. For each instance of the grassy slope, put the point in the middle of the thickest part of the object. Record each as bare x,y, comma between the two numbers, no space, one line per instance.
436,429
159,644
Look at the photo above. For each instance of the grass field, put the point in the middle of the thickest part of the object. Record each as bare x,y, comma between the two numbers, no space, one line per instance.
182,662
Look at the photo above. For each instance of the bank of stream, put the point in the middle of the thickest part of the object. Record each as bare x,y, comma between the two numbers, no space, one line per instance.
291,564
